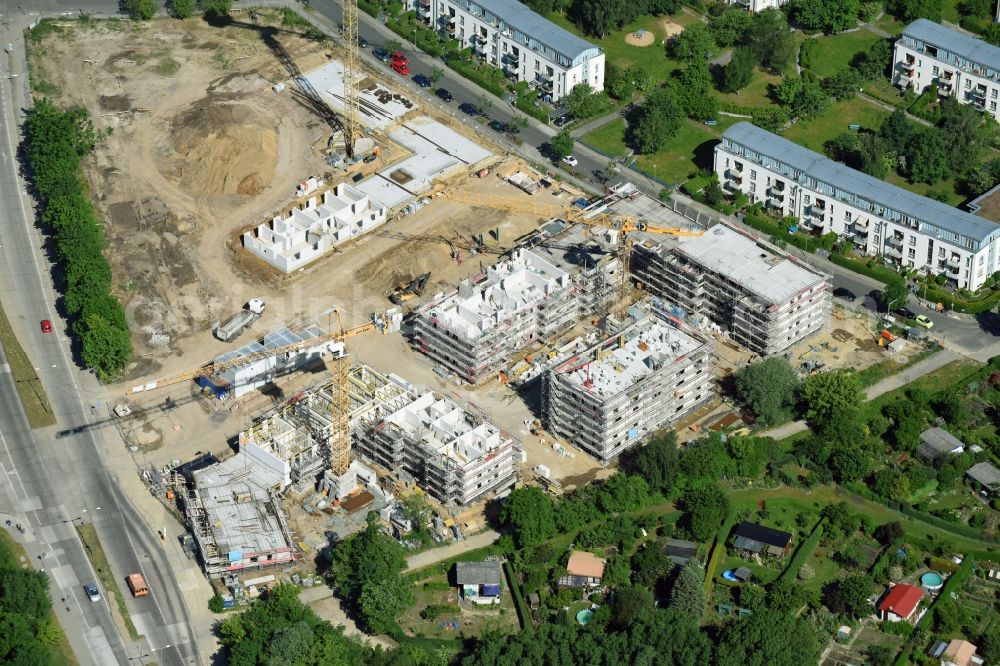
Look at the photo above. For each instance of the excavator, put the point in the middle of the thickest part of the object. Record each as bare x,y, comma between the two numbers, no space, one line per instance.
409,290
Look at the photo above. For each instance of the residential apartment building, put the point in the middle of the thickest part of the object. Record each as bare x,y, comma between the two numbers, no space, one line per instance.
527,46
908,230
962,66
758,5
759,296
610,397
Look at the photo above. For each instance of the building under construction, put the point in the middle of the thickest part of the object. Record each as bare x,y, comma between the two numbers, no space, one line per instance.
234,511
762,298
610,397
535,295
452,452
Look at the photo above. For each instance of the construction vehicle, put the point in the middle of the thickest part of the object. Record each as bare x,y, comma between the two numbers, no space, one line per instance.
340,438
411,289
239,322
622,225
137,585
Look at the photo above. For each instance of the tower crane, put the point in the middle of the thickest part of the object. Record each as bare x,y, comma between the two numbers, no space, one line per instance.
340,406
352,125
623,224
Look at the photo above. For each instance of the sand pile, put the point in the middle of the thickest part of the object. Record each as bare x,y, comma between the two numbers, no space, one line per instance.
222,147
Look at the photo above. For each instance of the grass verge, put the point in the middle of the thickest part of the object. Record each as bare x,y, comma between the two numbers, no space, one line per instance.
100,561
29,386
12,554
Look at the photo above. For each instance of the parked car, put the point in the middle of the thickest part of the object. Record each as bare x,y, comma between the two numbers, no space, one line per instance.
562,120
92,592
362,42
924,320
381,54
46,326
422,81
845,294
498,126
444,94
469,109
906,313
570,160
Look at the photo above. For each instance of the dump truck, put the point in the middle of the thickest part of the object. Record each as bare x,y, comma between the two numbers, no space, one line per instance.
239,322
411,289
137,584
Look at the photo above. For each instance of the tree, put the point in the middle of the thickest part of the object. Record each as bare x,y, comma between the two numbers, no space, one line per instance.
181,9
771,40
417,509
849,595
767,637
804,96
768,388
751,454
850,462
843,85
216,7
216,603
436,74
694,44
907,423
892,484
138,10
705,508
874,62
830,396
584,102
658,462
622,492
562,144
106,347
384,600
707,460
650,564
992,34
966,131
528,512
730,27
693,90
629,604
738,72
950,406
654,121
712,192
911,10
485,102
894,295
688,593
830,16
897,130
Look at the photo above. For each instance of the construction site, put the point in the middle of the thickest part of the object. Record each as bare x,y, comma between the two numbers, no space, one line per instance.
441,318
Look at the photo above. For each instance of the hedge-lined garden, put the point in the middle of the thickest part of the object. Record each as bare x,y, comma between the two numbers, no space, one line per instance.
57,141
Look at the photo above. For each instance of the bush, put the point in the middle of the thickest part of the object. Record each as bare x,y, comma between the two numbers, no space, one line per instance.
215,604
874,271
476,76
181,9
436,610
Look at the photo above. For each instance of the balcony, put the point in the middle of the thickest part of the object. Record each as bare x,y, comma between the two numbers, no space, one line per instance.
908,66
944,89
892,253
860,240
861,224
978,92
816,211
735,176
423,5
954,260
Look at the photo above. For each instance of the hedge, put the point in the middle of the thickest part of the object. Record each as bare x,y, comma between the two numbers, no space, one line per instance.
763,224
474,75
985,304
803,552
876,272
538,114
948,526
56,142
515,593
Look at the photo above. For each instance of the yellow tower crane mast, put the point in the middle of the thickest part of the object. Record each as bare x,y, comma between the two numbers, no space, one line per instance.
340,367
352,70
623,224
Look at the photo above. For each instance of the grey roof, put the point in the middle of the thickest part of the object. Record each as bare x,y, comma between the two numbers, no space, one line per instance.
477,573
861,184
680,551
936,442
986,474
956,42
521,18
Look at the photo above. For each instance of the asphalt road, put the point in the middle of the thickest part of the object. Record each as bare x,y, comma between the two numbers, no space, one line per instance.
53,481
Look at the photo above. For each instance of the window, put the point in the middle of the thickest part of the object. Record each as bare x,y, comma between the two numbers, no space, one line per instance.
753,174
968,84
935,70
847,216
994,92
913,241
993,106
753,187
912,253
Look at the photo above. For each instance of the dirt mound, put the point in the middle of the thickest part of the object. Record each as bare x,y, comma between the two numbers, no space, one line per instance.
223,147
114,102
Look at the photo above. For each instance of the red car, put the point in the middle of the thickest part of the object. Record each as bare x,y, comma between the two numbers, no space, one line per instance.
46,326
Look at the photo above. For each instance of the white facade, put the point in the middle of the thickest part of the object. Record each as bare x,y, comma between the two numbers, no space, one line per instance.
314,228
908,230
962,66
506,34
759,5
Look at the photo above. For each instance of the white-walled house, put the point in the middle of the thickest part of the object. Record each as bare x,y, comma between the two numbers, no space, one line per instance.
527,46
315,227
908,230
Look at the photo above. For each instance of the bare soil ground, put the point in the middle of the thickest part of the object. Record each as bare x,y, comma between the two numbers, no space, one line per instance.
201,147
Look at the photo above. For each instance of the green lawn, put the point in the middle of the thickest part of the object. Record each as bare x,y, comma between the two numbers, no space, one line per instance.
813,134
949,11
756,95
831,54
652,58
890,24
947,186
687,152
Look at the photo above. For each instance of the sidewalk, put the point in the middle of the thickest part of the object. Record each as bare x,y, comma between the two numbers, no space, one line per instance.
428,557
900,379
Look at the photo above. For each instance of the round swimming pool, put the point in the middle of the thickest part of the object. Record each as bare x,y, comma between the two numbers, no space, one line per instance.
932,580
583,617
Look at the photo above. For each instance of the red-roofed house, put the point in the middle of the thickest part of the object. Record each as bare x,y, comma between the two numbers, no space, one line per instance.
900,602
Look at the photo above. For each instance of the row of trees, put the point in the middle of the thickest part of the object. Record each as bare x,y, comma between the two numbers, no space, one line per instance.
143,10
598,17
27,630
924,154
57,141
